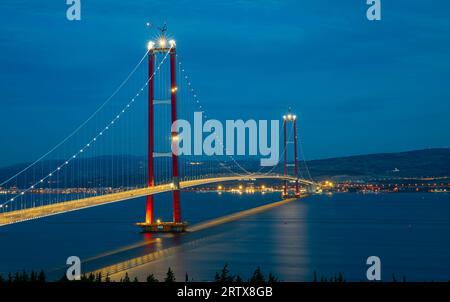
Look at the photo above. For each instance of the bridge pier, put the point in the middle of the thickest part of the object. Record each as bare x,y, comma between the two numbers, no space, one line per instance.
151,141
293,119
176,225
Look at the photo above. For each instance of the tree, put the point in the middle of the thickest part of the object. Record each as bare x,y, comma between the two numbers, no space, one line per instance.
24,277
1,279
224,275
186,278
136,280
107,278
125,279
257,277
217,277
315,277
33,276
151,279
17,277
41,276
170,277
98,277
238,279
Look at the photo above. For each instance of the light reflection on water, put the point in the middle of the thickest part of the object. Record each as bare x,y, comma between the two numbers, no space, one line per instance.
327,234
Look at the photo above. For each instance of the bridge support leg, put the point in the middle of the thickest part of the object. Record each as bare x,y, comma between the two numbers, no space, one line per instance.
297,189
285,188
150,146
175,172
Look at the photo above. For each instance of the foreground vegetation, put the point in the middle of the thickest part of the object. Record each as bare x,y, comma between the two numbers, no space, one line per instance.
224,276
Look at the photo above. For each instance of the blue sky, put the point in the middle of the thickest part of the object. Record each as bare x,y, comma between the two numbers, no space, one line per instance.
358,86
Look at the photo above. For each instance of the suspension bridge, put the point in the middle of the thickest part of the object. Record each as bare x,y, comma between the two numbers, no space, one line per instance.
94,165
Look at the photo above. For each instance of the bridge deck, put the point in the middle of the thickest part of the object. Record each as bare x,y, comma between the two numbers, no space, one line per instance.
73,205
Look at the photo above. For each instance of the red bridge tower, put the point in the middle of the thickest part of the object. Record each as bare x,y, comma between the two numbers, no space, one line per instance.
290,118
150,225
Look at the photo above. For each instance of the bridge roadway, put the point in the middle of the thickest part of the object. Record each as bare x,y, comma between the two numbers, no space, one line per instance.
74,205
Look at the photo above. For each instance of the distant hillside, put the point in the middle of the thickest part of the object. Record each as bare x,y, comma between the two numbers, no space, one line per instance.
429,162
98,171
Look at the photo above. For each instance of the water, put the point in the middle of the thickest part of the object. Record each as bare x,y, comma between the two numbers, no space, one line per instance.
327,234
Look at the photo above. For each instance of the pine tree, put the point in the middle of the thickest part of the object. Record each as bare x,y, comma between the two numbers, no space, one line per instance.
107,278
151,279
125,279
315,277
238,279
24,277
1,279
186,278
217,277
224,276
98,277
136,280
170,277
41,276
33,277
257,277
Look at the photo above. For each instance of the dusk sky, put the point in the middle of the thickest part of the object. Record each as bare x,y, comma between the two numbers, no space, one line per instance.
358,87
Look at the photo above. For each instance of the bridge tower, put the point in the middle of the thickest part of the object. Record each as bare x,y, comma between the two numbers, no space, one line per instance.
290,118
176,225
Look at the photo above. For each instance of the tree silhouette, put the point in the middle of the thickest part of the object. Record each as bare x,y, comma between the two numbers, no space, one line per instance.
107,278
41,277
224,276
151,279
125,279
170,277
257,277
